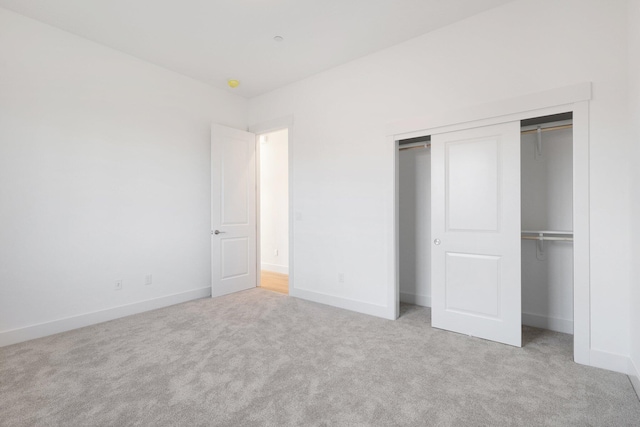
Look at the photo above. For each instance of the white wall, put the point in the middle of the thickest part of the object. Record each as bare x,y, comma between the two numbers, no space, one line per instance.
104,175
634,98
274,201
546,204
414,210
343,176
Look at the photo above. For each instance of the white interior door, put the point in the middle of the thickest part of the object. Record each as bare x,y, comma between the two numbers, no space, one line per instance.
233,210
475,225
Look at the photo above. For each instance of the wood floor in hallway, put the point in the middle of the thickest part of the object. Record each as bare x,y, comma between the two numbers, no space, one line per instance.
276,282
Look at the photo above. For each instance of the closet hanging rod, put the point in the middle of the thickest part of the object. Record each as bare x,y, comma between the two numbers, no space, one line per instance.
542,235
561,239
524,132
413,147
556,232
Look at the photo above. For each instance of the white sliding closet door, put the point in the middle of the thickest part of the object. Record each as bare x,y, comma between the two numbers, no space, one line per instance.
475,225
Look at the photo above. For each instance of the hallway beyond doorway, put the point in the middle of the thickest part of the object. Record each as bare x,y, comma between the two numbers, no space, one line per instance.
273,281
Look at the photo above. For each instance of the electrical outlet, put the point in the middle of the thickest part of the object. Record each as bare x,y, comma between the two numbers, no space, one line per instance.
340,277
276,252
118,285
148,279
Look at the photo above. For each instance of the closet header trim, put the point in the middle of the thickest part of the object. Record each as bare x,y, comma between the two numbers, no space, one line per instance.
508,110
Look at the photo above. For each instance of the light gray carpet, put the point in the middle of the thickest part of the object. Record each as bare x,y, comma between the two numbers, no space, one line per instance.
261,358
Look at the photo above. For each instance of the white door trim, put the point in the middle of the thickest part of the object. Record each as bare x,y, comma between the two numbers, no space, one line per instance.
261,129
574,99
490,113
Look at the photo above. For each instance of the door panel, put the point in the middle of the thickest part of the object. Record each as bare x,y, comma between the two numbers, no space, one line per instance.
477,297
478,159
235,187
476,230
234,260
233,210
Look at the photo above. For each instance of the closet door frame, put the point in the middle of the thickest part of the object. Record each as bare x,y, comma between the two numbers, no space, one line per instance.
574,99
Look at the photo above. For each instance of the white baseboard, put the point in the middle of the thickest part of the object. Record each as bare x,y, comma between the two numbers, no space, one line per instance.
62,325
347,304
634,376
282,269
421,300
550,323
610,361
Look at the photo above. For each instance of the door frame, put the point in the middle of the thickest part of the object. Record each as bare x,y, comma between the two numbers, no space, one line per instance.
261,129
573,99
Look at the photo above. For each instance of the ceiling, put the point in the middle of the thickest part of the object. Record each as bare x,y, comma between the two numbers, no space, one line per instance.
216,40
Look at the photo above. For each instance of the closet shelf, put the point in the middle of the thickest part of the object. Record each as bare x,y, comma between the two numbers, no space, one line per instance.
541,235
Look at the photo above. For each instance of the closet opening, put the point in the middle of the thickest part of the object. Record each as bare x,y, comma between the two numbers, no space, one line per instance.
414,212
546,169
546,220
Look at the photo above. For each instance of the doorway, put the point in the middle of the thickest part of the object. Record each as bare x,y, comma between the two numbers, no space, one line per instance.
414,232
273,247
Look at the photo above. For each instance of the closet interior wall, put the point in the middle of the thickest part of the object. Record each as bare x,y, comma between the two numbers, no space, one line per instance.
547,204
414,197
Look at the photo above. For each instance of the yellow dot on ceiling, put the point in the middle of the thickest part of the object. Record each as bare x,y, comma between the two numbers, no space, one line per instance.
233,83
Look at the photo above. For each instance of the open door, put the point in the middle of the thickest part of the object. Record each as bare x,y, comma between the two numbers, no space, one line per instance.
233,210
475,226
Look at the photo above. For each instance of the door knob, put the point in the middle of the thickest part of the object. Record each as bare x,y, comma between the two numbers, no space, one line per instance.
436,242
219,232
